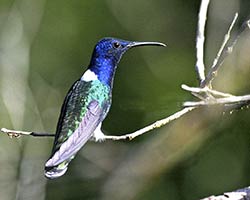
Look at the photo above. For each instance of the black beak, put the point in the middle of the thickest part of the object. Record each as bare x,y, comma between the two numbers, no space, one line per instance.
136,44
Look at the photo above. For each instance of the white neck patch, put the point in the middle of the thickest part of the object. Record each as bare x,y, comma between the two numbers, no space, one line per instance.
89,76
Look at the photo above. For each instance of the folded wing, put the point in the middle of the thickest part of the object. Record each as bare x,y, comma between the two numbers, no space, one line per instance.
80,116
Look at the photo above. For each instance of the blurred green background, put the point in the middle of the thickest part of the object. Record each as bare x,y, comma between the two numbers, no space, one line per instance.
46,45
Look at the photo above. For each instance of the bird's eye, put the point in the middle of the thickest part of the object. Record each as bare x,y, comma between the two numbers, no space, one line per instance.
116,45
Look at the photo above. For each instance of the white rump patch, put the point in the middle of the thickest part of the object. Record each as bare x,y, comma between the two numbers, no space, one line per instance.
89,76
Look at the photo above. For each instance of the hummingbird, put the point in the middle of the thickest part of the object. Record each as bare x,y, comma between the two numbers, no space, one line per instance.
87,103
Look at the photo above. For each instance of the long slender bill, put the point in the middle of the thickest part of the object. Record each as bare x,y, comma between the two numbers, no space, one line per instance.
135,44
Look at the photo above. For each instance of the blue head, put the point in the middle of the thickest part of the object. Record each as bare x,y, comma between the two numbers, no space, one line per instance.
107,54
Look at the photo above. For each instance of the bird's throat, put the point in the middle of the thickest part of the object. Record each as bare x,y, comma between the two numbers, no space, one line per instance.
104,70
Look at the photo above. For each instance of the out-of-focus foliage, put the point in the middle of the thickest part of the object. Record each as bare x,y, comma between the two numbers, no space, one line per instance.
46,45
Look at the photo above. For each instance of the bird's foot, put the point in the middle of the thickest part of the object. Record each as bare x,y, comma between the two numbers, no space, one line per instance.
99,136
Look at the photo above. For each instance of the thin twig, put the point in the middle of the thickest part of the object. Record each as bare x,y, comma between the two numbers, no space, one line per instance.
245,25
14,133
200,39
199,90
241,194
217,101
218,61
130,136
156,124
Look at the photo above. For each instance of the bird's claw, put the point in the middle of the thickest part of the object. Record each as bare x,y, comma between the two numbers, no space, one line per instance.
13,135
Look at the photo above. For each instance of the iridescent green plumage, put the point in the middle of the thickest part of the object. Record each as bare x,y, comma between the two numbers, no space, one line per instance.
85,106
75,107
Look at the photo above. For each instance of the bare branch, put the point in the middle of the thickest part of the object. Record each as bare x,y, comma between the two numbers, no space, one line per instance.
156,124
200,67
210,96
199,90
130,136
241,194
14,133
222,53
217,101
248,23
245,26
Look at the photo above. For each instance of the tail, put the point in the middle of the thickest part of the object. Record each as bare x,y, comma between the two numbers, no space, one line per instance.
52,172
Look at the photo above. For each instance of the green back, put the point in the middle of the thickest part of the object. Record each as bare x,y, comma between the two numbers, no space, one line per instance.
75,107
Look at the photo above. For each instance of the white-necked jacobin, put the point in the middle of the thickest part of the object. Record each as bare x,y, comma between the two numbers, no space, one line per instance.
87,104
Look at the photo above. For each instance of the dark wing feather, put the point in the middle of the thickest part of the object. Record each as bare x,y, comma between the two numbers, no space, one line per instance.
79,137
62,114
72,112
80,115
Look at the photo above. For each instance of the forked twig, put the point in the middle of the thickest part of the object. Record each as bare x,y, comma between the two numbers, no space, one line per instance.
221,55
205,93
